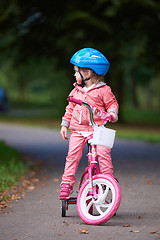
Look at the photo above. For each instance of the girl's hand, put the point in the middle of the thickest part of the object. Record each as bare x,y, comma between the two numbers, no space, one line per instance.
63,133
115,117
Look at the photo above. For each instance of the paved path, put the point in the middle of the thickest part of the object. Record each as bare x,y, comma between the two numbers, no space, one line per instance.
38,216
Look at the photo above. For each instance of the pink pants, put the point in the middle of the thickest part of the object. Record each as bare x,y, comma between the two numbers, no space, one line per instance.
76,147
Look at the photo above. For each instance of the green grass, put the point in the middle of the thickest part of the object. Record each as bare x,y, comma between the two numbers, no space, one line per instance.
140,116
147,134
11,167
139,124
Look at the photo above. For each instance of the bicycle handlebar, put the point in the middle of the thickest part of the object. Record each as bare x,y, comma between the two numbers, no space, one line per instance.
93,110
77,101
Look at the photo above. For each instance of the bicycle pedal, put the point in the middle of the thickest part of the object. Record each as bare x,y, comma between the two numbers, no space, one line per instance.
72,201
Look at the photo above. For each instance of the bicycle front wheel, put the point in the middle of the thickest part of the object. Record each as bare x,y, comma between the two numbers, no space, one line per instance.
106,203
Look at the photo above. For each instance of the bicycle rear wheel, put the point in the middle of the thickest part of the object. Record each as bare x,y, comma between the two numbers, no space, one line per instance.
63,208
106,203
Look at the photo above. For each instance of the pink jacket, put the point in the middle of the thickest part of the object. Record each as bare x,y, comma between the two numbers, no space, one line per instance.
77,117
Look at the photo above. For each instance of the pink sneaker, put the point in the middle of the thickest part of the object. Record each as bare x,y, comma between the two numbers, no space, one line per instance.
66,191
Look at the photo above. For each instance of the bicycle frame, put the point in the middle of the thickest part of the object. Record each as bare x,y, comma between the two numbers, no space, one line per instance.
92,149
92,168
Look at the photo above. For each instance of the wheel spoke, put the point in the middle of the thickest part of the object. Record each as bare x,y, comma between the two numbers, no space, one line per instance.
88,198
98,207
103,193
105,205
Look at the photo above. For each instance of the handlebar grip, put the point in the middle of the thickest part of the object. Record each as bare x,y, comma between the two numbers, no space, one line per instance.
77,101
111,117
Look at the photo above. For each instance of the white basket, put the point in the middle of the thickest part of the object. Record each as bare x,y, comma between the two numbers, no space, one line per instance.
103,136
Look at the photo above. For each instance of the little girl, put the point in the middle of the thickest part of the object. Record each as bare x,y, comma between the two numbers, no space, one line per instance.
90,66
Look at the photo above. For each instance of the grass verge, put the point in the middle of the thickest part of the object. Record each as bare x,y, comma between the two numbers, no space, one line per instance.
12,167
131,132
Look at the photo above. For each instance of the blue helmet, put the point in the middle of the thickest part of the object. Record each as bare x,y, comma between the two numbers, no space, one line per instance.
91,58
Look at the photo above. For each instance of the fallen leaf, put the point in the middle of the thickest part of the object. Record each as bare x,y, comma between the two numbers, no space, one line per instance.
135,231
150,182
127,225
153,232
3,205
30,188
84,231
15,197
140,217
34,180
26,183
55,179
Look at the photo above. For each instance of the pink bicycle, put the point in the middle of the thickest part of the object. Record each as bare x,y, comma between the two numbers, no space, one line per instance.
99,195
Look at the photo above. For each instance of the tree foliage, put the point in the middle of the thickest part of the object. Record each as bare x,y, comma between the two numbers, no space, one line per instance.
126,31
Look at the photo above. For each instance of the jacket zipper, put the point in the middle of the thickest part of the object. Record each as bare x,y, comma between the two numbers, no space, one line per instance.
85,95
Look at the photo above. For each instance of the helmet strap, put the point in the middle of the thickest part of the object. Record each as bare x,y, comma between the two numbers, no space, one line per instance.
89,77
82,83
84,80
